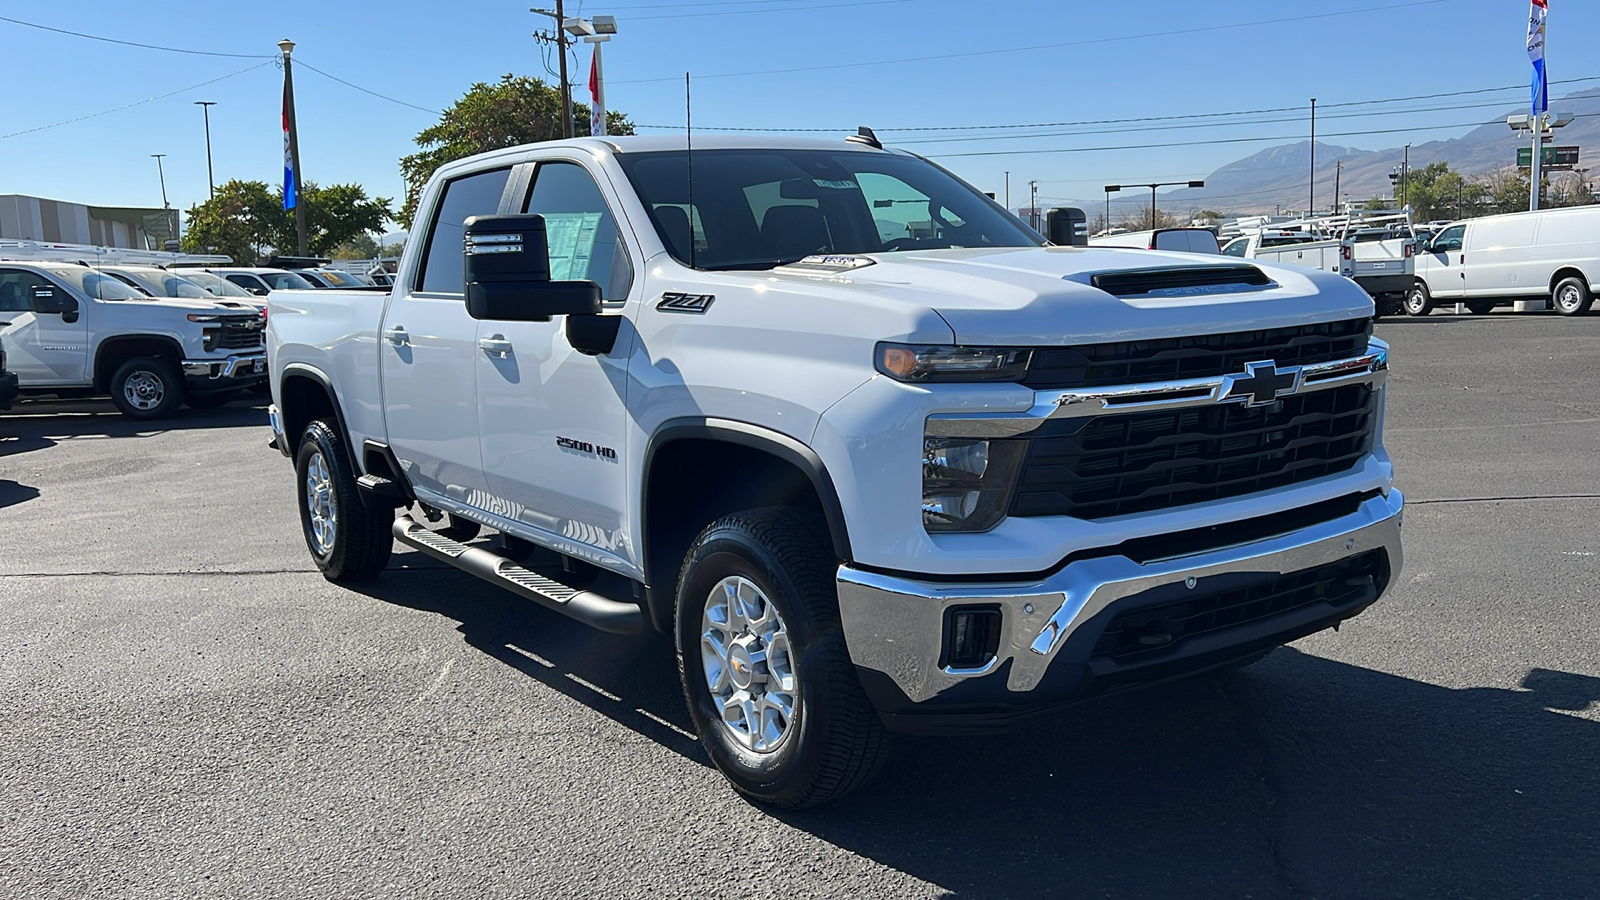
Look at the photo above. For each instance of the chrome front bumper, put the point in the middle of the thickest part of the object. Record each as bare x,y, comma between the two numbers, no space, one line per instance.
895,625
242,365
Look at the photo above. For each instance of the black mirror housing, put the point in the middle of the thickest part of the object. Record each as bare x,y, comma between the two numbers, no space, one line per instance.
507,271
48,300
1067,226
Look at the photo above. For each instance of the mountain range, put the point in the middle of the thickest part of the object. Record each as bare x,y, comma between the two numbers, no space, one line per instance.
1277,177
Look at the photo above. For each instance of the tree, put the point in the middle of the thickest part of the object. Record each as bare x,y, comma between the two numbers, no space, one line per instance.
1141,220
234,222
362,246
518,110
246,218
1207,217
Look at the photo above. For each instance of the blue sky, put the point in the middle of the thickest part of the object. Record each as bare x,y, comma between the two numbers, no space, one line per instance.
764,64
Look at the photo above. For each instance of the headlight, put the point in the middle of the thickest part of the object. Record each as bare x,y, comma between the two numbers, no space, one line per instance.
196,317
966,484
925,363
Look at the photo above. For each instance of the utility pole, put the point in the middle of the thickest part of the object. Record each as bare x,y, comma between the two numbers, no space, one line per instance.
560,40
211,178
1033,203
1405,170
291,146
1008,189
1338,170
1312,209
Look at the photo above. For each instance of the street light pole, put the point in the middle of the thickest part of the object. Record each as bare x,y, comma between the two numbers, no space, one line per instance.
166,208
211,178
1114,188
1008,189
1033,203
292,135
1312,209
1405,171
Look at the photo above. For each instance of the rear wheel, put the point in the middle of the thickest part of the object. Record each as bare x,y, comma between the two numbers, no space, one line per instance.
765,671
1481,307
147,387
348,540
1418,301
1572,297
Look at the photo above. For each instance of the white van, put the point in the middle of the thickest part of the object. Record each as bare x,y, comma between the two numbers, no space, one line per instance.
1188,240
1551,254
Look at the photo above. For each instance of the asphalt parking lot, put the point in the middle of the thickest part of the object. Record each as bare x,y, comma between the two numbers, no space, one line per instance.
188,709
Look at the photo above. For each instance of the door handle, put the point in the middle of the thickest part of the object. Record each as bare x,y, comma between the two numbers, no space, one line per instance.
397,336
495,346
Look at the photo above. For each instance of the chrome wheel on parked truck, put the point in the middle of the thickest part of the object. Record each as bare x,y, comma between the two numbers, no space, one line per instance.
1572,297
766,675
349,537
146,388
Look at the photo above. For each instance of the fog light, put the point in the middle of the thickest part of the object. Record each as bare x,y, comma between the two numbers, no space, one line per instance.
971,636
971,457
944,509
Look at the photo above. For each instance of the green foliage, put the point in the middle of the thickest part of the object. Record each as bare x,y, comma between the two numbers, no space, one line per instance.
246,218
517,110
1438,192
362,246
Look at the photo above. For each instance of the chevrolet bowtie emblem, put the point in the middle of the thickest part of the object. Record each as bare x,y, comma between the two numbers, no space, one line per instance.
1261,382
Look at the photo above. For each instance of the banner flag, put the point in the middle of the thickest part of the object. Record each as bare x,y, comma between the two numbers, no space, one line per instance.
1536,33
288,158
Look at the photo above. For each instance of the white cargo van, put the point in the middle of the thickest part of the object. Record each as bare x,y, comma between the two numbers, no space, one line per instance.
1551,255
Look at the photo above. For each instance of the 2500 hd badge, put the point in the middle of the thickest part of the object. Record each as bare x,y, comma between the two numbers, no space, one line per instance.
566,443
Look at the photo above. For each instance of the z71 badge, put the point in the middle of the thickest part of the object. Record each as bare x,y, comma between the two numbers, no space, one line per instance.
693,304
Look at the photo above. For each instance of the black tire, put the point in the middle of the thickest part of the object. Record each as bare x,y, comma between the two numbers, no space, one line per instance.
458,529
361,536
1571,297
834,741
1418,302
146,387
209,401
1480,307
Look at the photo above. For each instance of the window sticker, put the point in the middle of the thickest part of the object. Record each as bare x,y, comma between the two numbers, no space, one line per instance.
845,185
570,237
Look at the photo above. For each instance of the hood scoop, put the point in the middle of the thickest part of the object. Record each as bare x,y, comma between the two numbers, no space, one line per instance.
1178,281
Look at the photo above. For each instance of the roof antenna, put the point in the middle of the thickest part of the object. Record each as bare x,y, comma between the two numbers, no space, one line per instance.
688,157
864,135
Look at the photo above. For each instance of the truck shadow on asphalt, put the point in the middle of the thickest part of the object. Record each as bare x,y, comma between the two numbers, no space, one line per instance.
1300,776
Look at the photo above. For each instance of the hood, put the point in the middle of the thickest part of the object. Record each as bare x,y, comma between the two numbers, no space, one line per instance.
197,305
1046,295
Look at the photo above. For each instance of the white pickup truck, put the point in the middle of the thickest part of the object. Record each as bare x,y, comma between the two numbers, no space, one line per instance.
870,452
1376,253
72,330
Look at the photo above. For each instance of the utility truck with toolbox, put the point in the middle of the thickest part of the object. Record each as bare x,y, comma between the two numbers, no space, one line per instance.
1376,250
872,453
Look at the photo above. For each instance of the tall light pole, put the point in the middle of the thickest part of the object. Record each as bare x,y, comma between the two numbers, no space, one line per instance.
595,32
1312,209
211,178
1008,189
166,208
1113,188
559,14
291,139
1033,204
1542,127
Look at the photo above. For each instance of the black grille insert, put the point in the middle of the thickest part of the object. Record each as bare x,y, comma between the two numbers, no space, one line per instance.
1153,630
1179,281
1114,465
243,333
1194,356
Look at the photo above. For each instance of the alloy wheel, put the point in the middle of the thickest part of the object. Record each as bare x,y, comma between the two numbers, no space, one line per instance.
144,390
322,507
748,664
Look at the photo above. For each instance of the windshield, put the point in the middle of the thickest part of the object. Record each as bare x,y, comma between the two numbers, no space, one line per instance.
165,284
755,209
98,285
285,281
220,287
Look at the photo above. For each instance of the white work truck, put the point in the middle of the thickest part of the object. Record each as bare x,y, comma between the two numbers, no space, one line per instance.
1375,250
867,449
72,330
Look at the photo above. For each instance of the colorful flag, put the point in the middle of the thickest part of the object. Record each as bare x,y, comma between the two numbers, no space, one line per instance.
288,158
1536,32
597,100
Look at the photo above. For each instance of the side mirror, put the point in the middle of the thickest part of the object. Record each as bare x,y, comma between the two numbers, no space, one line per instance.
1067,226
48,300
507,268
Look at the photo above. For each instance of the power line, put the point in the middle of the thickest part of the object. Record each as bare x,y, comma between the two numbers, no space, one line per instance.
746,12
95,37
138,103
1012,50
366,90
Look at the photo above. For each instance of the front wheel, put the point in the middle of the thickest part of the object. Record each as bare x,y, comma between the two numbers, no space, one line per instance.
147,387
766,675
1572,297
1419,302
348,540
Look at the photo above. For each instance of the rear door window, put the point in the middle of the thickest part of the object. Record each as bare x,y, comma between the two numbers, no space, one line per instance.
472,195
